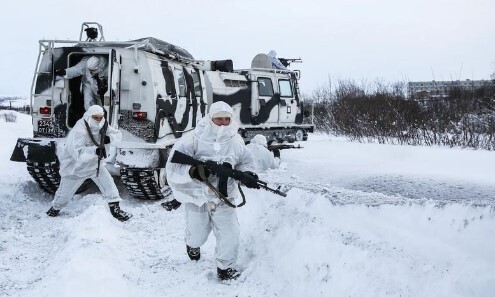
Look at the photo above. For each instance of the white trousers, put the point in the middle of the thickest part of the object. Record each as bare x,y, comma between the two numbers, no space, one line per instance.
222,219
69,186
90,98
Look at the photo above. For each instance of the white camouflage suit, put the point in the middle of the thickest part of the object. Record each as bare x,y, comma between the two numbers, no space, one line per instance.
264,158
204,212
276,64
87,68
79,161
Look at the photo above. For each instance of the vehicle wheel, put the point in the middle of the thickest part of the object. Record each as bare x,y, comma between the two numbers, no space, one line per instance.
300,135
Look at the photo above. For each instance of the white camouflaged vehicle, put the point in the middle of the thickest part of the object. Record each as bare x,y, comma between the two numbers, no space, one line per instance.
156,92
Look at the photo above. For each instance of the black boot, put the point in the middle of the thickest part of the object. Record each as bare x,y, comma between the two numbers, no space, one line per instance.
227,274
118,213
193,253
52,212
171,205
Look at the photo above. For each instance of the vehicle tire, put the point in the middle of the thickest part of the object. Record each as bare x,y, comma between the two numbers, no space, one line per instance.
300,135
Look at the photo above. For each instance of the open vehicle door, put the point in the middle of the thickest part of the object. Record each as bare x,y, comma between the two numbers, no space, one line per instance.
112,96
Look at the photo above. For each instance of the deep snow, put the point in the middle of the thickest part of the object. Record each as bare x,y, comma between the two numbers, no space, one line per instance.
358,220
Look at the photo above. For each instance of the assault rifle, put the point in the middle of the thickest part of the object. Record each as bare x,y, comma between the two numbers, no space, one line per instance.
223,171
279,147
286,62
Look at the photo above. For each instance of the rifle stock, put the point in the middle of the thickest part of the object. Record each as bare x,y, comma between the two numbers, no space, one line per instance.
221,170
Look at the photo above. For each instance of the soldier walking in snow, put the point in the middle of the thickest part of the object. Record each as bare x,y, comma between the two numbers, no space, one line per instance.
215,138
80,159
94,79
263,158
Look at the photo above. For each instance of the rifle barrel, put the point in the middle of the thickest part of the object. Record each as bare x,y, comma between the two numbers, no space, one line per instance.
283,147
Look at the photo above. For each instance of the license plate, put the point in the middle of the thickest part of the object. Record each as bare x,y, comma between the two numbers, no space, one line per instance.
45,126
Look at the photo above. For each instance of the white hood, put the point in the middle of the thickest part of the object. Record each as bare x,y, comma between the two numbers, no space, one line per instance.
94,125
213,136
97,64
259,139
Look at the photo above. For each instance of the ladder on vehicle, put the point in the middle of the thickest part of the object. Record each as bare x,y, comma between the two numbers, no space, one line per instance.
45,46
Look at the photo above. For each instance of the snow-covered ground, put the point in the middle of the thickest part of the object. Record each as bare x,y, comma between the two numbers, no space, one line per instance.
358,220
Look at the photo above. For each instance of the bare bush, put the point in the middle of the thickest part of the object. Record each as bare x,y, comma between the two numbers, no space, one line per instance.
380,112
9,117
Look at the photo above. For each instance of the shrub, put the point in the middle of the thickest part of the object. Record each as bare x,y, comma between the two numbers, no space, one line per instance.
10,117
381,113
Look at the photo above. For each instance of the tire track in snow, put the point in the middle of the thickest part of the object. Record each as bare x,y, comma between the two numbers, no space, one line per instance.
395,190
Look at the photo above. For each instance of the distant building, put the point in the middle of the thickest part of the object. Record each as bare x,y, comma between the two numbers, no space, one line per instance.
440,89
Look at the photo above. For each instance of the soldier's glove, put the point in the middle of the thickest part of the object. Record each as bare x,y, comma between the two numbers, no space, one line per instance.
276,153
251,181
60,72
106,140
104,152
195,170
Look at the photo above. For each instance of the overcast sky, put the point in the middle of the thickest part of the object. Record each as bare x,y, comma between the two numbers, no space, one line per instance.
389,40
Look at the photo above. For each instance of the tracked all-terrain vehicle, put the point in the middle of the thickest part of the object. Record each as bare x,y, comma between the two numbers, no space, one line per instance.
156,92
